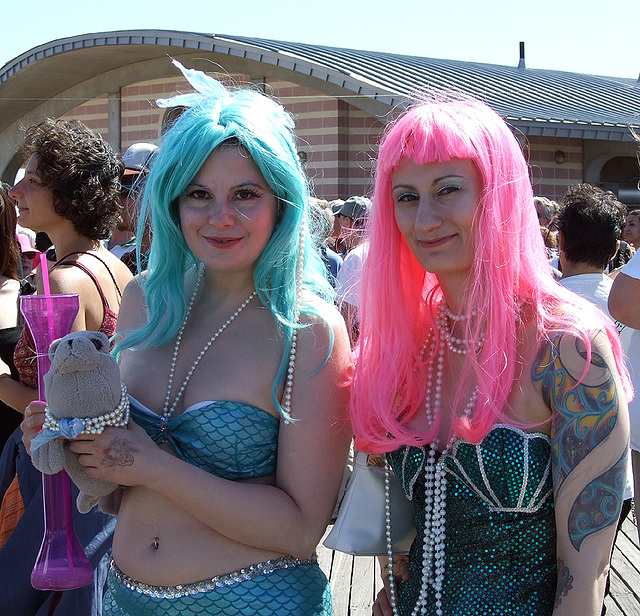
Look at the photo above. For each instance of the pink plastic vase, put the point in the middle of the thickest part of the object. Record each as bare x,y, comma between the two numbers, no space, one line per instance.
61,563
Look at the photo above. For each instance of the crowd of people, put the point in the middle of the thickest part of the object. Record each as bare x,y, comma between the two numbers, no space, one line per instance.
474,334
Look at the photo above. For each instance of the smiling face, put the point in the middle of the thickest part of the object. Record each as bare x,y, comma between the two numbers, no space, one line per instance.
228,212
35,201
435,204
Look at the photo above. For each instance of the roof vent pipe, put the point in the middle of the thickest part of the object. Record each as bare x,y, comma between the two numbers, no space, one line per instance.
521,63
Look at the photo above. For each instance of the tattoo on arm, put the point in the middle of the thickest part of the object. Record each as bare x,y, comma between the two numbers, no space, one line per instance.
584,416
599,504
119,453
565,582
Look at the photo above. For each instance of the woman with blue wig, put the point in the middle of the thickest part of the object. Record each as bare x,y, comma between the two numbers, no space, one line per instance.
233,358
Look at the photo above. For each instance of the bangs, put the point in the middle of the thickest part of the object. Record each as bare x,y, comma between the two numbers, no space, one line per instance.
427,134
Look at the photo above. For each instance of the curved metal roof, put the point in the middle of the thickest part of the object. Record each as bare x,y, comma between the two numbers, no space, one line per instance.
569,101
539,102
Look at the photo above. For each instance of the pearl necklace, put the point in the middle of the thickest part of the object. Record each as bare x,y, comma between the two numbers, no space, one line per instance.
92,425
167,411
286,398
435,481
456,345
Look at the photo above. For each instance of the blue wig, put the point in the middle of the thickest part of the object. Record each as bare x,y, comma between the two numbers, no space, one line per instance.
265,130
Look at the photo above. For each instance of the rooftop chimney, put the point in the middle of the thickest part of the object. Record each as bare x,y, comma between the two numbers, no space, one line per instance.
521,63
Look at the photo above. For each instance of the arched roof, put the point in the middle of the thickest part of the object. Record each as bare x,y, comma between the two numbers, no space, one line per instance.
55,77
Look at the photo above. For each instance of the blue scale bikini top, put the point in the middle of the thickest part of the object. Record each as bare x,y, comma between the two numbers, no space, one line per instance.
232,440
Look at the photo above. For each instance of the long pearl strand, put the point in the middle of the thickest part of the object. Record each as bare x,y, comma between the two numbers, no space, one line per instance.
167,411
435,480
286,399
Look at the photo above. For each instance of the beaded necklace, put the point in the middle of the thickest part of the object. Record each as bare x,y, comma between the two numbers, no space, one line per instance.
435,480
168,410
73,427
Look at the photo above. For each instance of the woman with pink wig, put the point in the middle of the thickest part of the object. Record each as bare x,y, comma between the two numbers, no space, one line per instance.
499,398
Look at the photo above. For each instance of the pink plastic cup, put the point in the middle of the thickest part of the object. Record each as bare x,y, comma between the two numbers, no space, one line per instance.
61,563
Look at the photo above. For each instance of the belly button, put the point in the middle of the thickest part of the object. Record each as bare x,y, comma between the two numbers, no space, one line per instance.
155,543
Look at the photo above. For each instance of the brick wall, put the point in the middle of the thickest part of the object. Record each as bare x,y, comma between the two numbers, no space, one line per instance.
549,178
94,114
338,139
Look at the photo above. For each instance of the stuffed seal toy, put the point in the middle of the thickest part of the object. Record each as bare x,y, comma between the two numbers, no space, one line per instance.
84,395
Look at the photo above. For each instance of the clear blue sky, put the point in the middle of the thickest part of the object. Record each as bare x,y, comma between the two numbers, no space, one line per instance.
585,36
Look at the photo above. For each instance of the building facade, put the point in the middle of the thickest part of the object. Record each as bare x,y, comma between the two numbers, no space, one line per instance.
572,128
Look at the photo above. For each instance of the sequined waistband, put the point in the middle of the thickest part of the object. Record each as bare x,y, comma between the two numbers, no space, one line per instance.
219,581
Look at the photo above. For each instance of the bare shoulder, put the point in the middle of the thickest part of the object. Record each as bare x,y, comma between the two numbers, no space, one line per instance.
118,268
69,279
576,364
323,319
65,276
9,288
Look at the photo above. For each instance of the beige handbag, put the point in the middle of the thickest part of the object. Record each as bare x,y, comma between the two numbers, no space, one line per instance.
360,527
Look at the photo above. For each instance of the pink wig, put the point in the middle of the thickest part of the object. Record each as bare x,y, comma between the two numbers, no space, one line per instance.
510,276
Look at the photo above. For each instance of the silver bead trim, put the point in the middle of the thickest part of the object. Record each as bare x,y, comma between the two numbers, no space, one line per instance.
219,581
488,496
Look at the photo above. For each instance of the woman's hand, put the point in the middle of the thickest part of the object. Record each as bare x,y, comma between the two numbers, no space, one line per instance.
32,422
120,455
382,605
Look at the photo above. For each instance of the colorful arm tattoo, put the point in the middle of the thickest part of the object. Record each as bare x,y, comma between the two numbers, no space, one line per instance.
584,415
599,504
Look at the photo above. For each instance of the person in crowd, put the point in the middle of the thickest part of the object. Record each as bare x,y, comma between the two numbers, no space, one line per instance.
232,466
624,252
351,218
322,220
551,246
10,326
71,191
334,240
590,221
28,255
546,209
487,384
631,231
122,243
624,305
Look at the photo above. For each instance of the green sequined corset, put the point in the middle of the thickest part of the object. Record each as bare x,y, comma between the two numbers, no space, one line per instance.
500,526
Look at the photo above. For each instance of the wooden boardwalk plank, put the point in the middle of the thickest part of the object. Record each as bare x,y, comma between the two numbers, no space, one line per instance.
340,581
365,571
